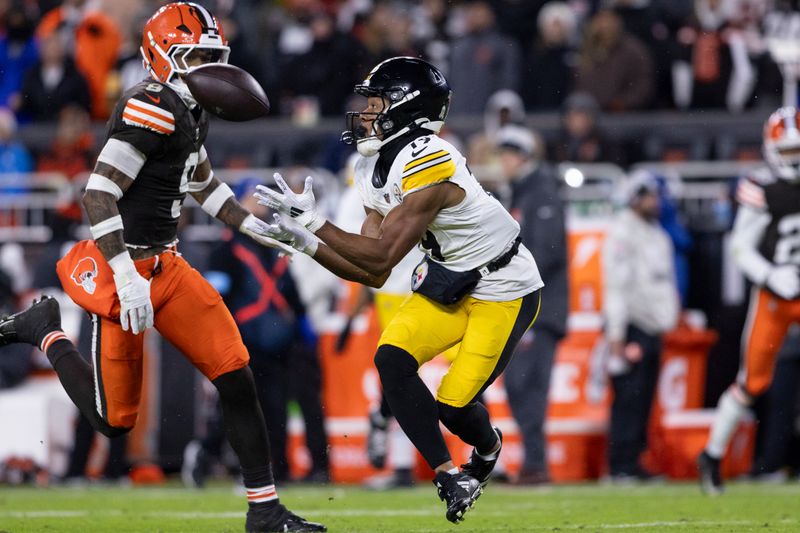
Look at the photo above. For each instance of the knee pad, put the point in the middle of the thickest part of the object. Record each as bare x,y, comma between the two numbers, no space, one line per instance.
236,386
394,364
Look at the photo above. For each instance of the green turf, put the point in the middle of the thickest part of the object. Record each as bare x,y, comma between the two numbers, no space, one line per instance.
587,508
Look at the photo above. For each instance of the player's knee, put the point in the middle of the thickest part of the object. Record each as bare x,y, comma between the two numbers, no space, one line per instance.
394,364
236,386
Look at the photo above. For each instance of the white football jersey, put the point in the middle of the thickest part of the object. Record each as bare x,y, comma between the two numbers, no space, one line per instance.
463,237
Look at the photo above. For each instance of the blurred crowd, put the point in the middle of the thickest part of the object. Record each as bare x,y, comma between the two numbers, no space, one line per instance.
628,54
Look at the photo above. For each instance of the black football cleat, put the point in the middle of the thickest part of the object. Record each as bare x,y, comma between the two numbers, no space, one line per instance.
278,520
33,324
710,477
459,491
481,469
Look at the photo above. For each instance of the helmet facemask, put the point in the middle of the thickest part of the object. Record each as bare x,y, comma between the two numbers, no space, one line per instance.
387,124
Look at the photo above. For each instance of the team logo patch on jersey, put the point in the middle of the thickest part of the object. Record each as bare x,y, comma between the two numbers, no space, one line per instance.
419,275
154,87
398,196
84,274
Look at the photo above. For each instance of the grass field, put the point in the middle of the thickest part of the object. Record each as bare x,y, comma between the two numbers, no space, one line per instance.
586,508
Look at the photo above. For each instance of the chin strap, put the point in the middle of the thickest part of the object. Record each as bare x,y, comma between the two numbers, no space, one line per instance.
370,146
180,87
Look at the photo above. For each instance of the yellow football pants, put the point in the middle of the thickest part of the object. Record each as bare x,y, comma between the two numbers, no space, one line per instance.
488,333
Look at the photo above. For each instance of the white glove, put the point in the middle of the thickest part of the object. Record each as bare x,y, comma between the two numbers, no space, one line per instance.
134,295
259,231
301,207
784,280
287,230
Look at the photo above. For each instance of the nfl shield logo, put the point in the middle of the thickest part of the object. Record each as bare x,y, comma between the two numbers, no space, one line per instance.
419,275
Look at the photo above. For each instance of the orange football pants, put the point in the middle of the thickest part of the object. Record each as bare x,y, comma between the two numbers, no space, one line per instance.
189,313
768,320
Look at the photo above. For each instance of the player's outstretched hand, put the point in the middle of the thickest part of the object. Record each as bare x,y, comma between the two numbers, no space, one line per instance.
301,207
285,229
784,280
261,232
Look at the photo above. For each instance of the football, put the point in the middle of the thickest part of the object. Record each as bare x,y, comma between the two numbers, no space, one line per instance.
227,92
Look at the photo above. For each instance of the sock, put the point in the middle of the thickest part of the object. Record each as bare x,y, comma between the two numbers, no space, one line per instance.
729,412
493,455
76,376
74,373
411,403
470,423
260,487
386,411
247,435
453,471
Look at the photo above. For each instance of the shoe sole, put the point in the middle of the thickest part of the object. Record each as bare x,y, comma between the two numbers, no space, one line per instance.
457,513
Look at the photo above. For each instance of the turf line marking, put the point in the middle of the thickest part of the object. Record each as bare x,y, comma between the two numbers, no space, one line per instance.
344,513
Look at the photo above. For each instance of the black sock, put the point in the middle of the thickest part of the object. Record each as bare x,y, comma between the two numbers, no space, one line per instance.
411,403
385,410
76,377
247,434
471,424
260,487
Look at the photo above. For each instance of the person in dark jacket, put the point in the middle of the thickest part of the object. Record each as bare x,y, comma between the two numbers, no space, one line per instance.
53,84
535,202
261,294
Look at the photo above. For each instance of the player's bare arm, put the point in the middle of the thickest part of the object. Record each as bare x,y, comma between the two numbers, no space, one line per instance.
402,228
371,226
101,206
205,188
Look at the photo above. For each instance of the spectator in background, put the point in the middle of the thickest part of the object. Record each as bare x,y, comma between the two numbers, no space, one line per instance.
71,154
670,220
17,53
14,157
535,202
581,140
713,68
514,18
504,107
483,61
640,304
53,83
429,30
92,39
326,70
129,69
384,33
547,78
614,67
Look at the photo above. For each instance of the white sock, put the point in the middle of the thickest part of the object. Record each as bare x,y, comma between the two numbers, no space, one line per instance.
453,471
729,412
